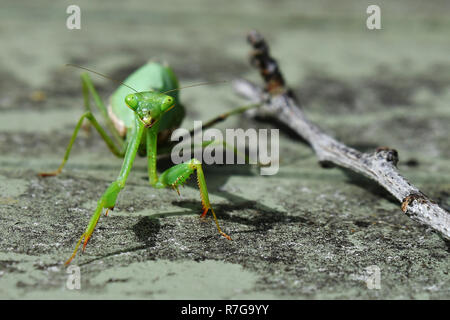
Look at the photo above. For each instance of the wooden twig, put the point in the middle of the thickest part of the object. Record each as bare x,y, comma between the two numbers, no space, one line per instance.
380,165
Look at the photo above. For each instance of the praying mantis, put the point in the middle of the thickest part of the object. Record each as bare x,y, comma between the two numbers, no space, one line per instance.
143,112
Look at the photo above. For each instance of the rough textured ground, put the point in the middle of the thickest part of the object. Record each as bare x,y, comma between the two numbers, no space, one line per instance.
305,233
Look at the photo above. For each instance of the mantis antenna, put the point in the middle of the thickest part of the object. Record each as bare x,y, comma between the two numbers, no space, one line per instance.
100,74
196,85
120,82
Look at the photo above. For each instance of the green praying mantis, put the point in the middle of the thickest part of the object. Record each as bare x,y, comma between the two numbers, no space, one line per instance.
143,112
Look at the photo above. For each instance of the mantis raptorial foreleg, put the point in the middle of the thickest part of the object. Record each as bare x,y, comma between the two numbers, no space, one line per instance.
108,199
177,175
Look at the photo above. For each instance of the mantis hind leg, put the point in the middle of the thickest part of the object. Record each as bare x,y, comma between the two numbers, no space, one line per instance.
177,176
224,116
111,145
165,150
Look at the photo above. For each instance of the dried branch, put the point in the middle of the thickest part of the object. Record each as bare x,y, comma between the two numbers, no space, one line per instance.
380,165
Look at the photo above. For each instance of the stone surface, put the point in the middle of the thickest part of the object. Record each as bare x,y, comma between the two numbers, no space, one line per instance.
305,233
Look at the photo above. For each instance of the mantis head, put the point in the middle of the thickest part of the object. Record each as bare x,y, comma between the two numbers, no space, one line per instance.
149,105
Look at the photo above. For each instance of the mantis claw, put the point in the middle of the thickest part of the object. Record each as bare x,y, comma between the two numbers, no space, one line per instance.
88,233
50,174
176,189
205,211
76,249
86,239
225,235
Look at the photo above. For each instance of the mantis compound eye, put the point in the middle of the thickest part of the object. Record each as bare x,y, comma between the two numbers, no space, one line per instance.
131,101
167,103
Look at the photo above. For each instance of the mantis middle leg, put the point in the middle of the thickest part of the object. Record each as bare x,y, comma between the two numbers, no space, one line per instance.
116,147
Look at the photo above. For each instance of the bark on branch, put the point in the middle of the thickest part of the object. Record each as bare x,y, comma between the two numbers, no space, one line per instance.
380,165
